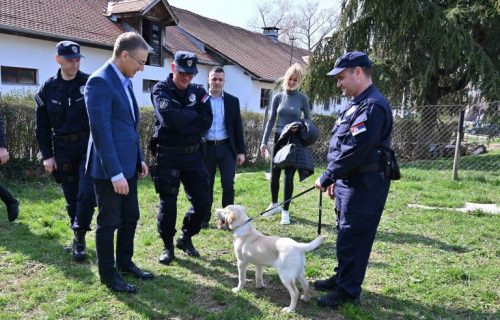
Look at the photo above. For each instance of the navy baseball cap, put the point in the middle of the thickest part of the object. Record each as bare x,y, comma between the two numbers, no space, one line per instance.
185,61
351,59
68,49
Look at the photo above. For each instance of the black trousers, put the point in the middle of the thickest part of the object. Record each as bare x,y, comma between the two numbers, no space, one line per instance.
189,170
116,212
221,156
275,181
6,196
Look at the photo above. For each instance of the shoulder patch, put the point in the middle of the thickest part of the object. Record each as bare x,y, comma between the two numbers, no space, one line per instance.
205,98
163,104
358,128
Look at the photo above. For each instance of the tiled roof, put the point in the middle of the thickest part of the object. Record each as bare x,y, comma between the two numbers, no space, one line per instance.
123,6
177,39
254,52
79,20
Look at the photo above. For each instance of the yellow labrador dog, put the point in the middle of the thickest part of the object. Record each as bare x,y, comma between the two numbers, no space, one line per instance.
251,246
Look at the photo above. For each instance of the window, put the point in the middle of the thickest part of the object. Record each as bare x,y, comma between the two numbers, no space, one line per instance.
151,32
326,106
265,98
13,75
147,85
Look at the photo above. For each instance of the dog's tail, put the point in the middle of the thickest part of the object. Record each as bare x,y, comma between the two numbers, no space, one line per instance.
312,245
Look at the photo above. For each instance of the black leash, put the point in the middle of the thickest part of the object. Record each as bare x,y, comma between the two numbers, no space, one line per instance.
320,207
288,200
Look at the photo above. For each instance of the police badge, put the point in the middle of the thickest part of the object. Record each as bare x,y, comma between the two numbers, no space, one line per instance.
189,63
163,104
192,97
75,49
82,89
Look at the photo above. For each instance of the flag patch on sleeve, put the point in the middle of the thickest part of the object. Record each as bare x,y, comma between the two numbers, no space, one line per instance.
358,128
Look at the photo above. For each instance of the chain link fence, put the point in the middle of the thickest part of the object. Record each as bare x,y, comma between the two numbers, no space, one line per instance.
424,136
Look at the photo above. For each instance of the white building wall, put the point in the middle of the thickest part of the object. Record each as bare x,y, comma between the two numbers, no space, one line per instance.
24,52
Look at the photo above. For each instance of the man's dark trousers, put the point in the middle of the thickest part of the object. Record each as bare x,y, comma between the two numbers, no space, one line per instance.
115,212
222,156
80,200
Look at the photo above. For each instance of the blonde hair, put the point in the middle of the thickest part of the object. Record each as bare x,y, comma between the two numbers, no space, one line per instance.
294,70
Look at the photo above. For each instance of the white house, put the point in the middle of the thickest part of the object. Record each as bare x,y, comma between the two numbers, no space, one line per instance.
29,30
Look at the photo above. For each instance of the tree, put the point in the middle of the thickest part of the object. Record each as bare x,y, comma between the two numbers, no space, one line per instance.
425,51
307,23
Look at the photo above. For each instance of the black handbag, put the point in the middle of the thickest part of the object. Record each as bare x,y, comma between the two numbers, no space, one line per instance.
286,156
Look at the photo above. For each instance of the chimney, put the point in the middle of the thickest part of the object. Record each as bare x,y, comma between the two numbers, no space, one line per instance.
271,32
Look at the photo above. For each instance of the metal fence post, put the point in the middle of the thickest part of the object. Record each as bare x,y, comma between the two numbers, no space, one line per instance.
460,130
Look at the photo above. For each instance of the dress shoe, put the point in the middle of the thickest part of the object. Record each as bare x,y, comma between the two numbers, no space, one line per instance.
78,247
336,299
185,244
116,283
13,210
136,272
167,255
326,284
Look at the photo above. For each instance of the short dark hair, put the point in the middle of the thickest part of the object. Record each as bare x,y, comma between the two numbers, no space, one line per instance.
129,41
367,71
217,69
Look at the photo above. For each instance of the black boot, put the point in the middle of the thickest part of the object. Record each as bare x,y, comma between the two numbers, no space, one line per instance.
326,284
168,251
13,210
78,248
185,244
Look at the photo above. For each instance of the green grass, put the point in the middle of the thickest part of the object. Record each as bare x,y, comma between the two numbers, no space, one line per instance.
433,264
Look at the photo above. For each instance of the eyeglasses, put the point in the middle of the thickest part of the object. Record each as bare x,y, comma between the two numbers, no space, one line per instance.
142,63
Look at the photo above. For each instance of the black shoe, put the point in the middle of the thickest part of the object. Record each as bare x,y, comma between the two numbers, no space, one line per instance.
205,225
326,284
185,244
336,299
167,255
116,283
13,210
78,247
136,272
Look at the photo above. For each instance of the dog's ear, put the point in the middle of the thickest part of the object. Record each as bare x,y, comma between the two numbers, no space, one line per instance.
230,216
219,212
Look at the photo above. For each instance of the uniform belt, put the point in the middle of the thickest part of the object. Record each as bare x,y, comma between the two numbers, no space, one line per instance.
370,167
216,142
71,137
181,150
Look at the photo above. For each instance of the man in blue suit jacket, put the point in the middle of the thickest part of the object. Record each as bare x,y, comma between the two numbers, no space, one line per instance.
114,158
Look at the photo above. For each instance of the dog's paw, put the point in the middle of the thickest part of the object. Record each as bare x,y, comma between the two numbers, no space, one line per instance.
287,310
236,289
304,298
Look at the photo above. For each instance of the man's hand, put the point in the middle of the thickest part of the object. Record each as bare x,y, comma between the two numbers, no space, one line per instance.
4,155
145,170
240,158
317,184
263,150
330,191
50,164
121,186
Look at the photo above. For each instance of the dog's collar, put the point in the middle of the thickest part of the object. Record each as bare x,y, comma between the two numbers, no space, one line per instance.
241,225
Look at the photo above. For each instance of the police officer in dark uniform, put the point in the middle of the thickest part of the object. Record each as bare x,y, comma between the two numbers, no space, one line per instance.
357,176
62,132
183,116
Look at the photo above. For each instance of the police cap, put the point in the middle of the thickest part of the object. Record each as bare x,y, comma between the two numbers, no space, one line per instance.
186,62
68,49
351,59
